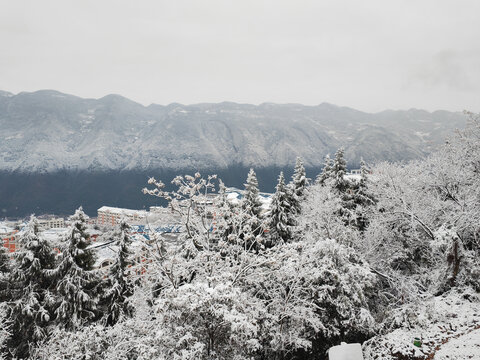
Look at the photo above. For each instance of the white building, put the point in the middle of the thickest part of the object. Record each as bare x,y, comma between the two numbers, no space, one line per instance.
111,215
52,223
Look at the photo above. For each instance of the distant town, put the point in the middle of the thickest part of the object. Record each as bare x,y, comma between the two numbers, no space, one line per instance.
158,221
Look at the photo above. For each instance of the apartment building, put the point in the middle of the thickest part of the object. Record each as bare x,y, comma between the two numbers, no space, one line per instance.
51,223
111,215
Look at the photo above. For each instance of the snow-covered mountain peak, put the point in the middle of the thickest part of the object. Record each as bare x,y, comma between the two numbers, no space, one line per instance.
48,130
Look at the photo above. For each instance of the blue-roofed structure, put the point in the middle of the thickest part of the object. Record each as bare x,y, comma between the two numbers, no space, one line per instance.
168,229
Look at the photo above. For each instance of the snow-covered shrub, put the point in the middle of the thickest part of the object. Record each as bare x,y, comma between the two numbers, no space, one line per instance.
203,321
140,337
195,321
458,266
320,216
341,285
4,328
316,293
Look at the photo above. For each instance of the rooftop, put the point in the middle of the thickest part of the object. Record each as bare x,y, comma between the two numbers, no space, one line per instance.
121,211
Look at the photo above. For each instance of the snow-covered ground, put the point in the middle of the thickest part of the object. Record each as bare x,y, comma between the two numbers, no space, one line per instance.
464,347
449,328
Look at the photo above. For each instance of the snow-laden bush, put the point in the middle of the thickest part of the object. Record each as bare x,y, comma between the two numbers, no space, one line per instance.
424,231
457,265
4,327
139,337
204,321
316,292
195,321
320,216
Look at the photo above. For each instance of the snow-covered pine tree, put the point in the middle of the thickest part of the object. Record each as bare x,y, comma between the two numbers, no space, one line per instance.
362,197
280,218
5,266
343,188
251,225
339,169
299,178
251,203
299,183
228,217
120,285
78,285
4,259
326,171
31,301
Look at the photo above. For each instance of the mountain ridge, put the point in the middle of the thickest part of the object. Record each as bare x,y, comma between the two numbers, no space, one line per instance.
47,130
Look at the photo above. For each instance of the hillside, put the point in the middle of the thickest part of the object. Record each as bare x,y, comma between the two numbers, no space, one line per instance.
47,131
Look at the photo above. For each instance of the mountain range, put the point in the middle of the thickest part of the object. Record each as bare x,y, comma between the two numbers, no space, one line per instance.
46,131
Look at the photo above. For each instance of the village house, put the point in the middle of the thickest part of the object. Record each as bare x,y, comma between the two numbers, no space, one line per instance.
9,237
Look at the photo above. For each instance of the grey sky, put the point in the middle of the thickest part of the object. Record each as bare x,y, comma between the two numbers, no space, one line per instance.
369,54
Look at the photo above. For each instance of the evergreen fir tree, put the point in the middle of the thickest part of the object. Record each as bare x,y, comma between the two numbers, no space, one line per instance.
78,286
251,203
120,286
227,213
251,224
299,184
326,171
32,301
299,178
339,169
362,196
281,217
4,259
5,266
343,188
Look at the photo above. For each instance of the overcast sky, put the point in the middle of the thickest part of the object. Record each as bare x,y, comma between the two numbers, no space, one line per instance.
369,54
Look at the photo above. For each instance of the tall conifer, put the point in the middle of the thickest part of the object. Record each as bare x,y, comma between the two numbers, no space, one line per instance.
326,171
31,305
120,284
78,284
251,203
299,184
281,217
252,228
339,170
